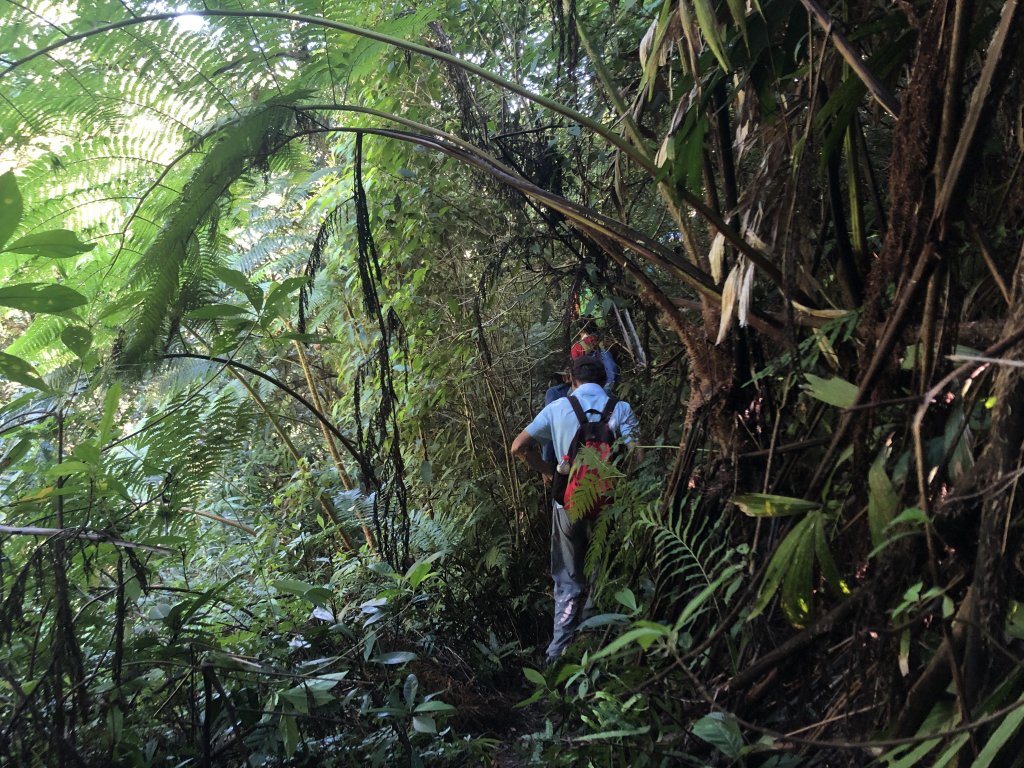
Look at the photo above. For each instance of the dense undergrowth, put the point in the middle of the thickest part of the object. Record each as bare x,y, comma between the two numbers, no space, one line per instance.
280,286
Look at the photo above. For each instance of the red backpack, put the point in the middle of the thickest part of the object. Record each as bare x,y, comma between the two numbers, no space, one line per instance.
583,492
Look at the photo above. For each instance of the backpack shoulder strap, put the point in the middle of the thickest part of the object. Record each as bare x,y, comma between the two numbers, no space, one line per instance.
578,409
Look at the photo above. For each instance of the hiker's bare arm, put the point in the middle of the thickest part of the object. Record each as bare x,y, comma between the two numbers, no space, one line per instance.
527,449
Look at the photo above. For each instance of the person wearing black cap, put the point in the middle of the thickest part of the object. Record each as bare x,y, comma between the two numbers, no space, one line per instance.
558,423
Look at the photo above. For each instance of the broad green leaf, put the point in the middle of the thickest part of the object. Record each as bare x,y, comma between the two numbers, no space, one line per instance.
435,706
279,293
534,697
237,280
115,723
41,297
882,501
394,657
78,339
54,244
738,10
604,619
71,467
296,696
417,573
421,570
770,505
798,581
779,566
10,206
650,47
333,677
424,724
110,403
709,28
534,676
409,689
15,453
834,391
910,515
791,570
642,636
289,732
15,369
823,554
720,731
627,598
88,452
37,495
293,587
320,596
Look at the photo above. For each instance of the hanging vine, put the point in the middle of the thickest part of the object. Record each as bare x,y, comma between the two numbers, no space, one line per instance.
380,438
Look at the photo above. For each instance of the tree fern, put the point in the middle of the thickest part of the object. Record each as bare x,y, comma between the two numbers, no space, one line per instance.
175,453
257,134
694,561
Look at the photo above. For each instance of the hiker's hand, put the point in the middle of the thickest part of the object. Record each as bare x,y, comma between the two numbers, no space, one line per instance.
526,448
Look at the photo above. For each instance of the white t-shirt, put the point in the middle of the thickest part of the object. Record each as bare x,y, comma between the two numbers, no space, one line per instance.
558,422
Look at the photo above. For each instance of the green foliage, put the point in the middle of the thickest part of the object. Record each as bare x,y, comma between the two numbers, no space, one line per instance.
596,478
172,267
193,571
791,569
696,563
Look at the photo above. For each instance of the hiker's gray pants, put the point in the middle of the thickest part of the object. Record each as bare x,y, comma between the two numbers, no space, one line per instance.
572,588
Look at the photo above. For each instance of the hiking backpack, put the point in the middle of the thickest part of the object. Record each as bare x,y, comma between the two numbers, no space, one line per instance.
583,492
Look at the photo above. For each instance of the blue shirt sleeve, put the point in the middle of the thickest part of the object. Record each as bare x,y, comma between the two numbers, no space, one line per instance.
625,422
611,370
540,428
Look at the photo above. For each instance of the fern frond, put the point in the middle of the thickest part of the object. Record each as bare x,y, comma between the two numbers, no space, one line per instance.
43,332
694,560
256,135
174,455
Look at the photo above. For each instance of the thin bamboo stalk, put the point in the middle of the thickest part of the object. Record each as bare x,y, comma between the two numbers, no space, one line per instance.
325,502
329,440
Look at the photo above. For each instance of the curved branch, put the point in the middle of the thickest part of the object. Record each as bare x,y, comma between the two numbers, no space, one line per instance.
758,257
585,218
349,445
86,535
853,58
351,29
593,222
